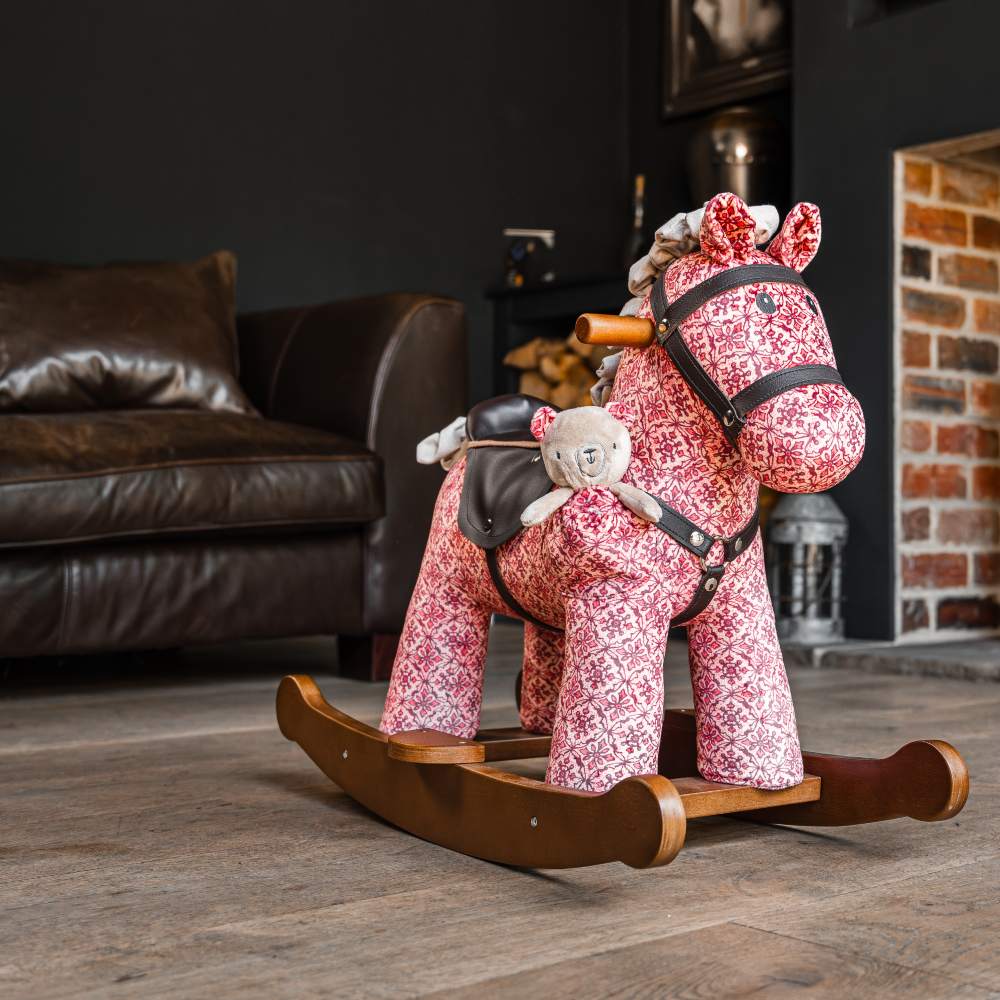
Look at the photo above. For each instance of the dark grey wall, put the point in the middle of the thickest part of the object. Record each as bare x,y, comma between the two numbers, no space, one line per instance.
860,93
339,147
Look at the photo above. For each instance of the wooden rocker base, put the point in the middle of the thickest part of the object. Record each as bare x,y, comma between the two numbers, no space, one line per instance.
443,789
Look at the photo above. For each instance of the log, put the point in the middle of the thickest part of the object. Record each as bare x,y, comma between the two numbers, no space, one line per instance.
528,355
565,367
532,384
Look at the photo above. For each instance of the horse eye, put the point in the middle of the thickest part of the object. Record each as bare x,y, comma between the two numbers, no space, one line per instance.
765,303
812,305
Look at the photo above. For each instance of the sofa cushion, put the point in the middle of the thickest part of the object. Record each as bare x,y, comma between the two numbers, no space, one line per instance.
135,473
159,593
121,335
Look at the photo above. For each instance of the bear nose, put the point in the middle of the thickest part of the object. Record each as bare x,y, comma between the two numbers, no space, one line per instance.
590,453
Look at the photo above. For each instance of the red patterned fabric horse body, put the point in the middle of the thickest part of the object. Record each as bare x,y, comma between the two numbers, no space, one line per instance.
611,583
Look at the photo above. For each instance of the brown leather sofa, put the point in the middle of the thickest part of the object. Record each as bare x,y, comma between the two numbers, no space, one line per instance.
133,528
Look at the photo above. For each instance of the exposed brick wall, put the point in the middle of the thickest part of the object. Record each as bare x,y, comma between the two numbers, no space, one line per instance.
947,398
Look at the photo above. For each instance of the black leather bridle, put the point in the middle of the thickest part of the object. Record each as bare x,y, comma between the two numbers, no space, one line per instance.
731,412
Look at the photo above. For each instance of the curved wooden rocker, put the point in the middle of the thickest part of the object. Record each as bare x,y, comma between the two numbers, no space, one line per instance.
443,789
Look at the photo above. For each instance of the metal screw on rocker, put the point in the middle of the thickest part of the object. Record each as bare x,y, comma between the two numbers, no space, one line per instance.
534,821
344,755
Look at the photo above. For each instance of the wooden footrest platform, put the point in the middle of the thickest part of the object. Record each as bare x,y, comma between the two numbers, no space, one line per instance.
427,746
699,797
711,798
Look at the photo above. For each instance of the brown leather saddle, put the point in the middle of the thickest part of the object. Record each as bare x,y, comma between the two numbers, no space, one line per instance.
500,482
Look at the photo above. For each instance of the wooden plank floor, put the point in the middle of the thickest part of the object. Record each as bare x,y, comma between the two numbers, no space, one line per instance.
158,838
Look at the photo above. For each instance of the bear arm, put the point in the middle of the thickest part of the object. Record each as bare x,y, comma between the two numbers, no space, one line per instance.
638,501
543,507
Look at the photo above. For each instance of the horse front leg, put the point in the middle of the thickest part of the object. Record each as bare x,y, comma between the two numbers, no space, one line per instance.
743,706
610,711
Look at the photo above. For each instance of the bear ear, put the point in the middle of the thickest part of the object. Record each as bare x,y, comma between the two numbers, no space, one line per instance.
618,410
727,229
797,243
542,421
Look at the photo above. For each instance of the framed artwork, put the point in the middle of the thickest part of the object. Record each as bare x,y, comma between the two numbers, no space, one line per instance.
722,51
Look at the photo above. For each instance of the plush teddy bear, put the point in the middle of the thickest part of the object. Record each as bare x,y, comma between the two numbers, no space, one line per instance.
583,448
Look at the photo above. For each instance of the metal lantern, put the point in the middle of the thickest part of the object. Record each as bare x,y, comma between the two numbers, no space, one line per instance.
806,535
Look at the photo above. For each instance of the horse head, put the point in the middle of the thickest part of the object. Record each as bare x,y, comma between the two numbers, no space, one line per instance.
749,337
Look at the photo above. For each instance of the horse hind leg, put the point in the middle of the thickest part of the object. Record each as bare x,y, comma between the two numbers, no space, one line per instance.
544,656
437,677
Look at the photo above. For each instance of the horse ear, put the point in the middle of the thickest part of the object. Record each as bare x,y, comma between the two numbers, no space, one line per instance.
797,243
619,410
542,421
727,229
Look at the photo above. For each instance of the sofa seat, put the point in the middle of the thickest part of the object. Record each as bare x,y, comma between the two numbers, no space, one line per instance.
82,477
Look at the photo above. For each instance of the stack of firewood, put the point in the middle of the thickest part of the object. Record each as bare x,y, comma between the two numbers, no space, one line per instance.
559,371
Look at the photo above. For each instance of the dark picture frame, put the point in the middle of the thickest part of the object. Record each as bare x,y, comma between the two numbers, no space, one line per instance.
719,52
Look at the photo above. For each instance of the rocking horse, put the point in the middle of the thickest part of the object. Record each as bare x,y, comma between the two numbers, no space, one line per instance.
727,381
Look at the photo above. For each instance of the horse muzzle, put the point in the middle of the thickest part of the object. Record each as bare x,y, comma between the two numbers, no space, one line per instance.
805,440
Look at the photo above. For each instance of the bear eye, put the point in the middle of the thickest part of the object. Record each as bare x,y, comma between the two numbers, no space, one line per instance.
615,446
558,455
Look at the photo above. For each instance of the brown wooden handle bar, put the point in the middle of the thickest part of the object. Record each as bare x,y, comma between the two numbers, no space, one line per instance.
614,331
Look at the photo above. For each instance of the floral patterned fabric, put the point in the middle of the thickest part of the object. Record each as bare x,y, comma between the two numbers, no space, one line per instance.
613,581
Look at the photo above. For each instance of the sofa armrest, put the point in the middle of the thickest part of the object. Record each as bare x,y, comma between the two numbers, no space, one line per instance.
386,370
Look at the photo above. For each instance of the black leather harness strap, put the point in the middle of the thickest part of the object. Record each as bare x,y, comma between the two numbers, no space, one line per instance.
507,597
776,383
711,576
682,531
704,386
730,412
674,313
